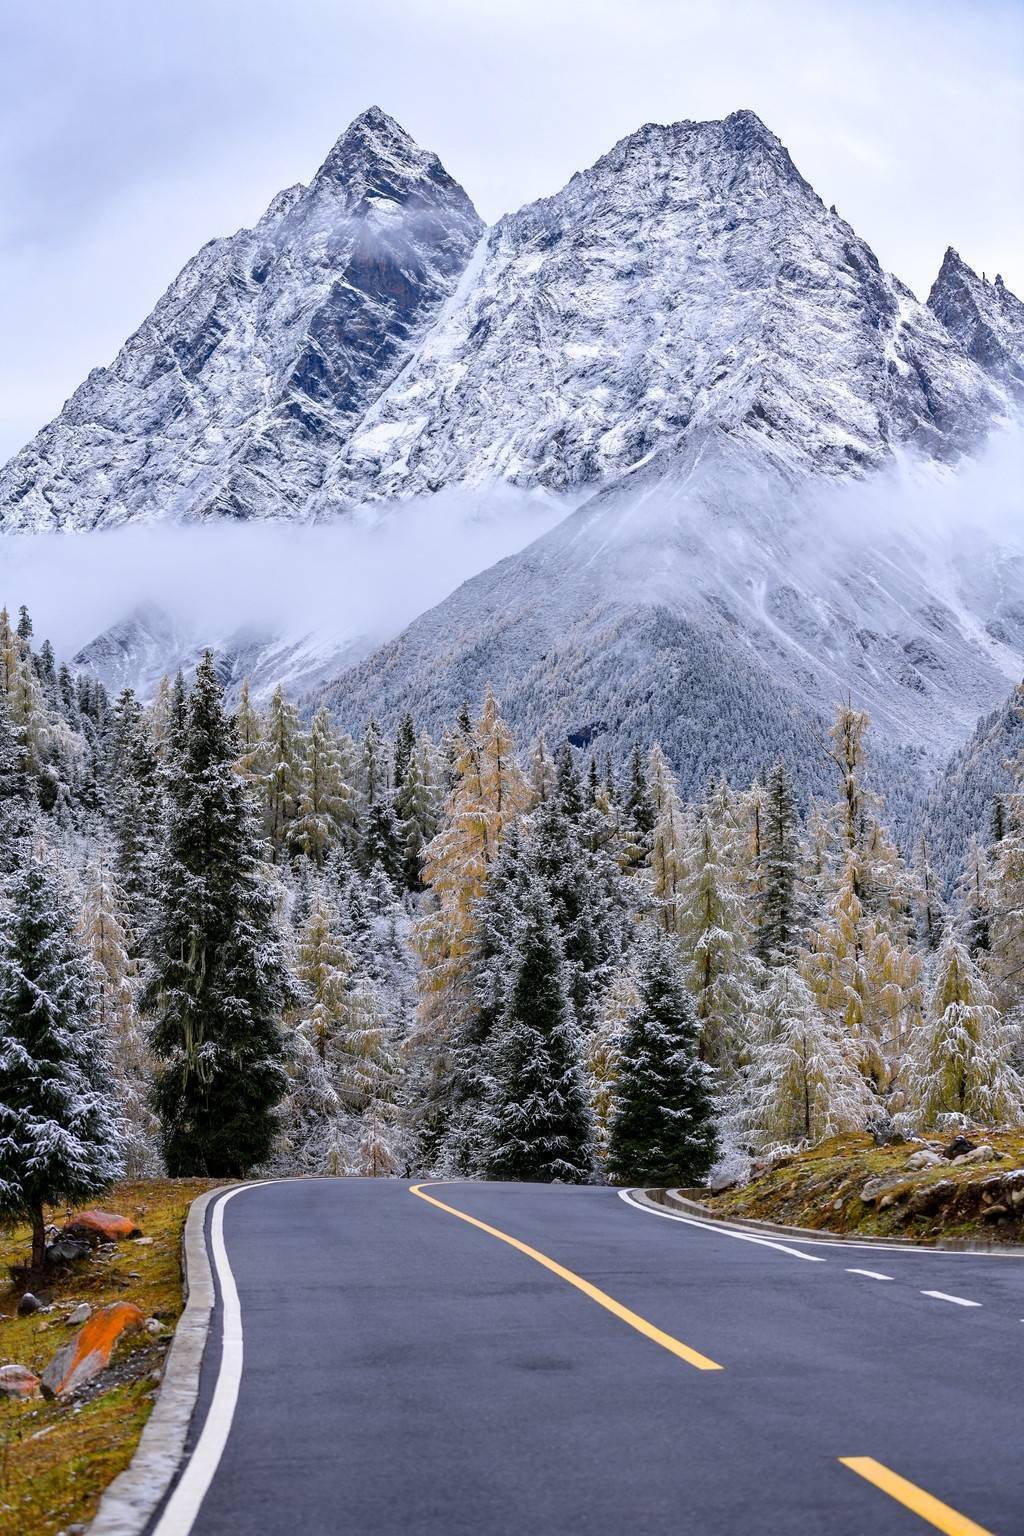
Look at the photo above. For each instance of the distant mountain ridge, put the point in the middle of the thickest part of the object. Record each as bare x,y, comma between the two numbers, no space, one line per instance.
368,340
684,348
232,399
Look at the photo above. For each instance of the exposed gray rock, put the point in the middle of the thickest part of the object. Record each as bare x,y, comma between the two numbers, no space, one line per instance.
985,318
235,396
925,1158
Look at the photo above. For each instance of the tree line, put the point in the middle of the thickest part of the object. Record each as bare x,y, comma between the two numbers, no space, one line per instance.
239,939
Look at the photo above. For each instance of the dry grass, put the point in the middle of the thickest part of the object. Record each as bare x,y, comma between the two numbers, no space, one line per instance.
56,1458
821,1188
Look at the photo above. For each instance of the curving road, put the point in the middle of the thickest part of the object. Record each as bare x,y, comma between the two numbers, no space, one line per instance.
403,1371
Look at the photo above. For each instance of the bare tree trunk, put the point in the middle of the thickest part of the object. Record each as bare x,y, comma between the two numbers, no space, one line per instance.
38,1239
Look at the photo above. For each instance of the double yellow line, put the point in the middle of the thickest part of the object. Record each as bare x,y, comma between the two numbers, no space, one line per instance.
930,1509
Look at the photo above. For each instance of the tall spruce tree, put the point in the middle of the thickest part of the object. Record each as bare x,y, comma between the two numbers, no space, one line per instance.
778,922
537,1124
60,1139
959,1066
662,1128
16,798
218,984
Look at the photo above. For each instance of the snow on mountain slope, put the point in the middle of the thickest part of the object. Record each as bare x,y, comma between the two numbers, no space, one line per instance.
332,356
986,319
705,603
149,644
685,339
234,396
690,278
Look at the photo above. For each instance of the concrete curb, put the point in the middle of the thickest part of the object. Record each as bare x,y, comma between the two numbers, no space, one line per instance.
673,1199
129,1502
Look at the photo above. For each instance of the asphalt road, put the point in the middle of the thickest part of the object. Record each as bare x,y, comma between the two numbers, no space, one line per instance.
406,1372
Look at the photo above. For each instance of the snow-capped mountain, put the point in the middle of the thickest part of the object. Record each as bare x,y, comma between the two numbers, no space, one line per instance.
234,398
690,279
149,644
707,602
986,319
684,347
363,343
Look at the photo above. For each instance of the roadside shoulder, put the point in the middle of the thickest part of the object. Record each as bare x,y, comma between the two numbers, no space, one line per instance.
129,1502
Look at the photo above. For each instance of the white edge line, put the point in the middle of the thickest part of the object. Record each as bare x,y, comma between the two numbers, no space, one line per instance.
185,1502
721,1229
128,1503
960,1301
879,1247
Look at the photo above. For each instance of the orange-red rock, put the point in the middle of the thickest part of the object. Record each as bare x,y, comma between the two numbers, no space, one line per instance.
89,1351
101,1226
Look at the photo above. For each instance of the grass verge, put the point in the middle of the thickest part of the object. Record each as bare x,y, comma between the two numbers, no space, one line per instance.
850,1185
56,1458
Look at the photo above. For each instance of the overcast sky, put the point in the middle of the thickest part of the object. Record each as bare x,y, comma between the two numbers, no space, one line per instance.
131,131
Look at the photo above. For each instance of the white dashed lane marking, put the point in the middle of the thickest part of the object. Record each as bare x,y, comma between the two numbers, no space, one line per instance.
959,1301
872,1274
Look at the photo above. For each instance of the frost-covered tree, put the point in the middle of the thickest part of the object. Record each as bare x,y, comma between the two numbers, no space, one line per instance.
218,984
455,1119
974,899
931,903
16,797
326,802
537,1124
604,1054
137,824
804,1081
403,749
417,805
778,902
638,813
671,835
959,1067
865,978
280,772
489,794
542,773
662,1128
249,728
714,937
109,946
1005,962
60,1139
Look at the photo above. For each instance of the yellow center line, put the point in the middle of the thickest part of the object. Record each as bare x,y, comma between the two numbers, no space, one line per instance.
924,1504
674,1346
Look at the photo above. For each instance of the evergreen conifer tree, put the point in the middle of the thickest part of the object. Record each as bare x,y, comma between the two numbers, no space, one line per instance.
218,984
537,1124
663,1124
109,946
60,1140
960,1066
16,798
281,772
326,802
804,1081
778,907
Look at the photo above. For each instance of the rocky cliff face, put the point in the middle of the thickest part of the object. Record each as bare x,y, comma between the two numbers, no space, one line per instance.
690,279
363,343
985,319
238,392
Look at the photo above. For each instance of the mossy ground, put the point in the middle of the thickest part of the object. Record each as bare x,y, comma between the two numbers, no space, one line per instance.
821,1188
56,1458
